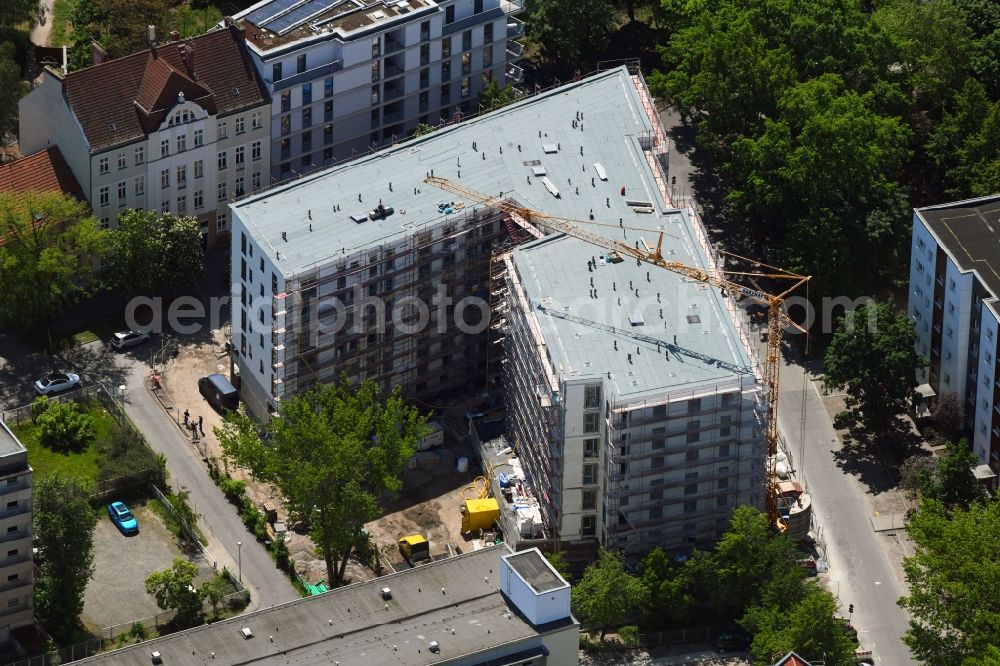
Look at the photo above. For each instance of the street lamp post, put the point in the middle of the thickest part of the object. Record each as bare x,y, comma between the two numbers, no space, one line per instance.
239,554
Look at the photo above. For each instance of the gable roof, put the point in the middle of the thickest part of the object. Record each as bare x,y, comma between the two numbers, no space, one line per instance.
44,171
120,101
791,659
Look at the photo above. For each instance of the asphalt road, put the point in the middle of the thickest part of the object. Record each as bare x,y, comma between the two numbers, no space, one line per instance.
859,567
267,585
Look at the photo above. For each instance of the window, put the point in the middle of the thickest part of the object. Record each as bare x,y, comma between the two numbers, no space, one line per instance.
446,70
488,33
181,176
307,115
140,154
12,577
222,133
255,151
103,165
164,147
655,513
165,206
121,161
307,93
656,462
449,14
255,181
199,200
13,601
240,126
691,456
591,422
590,448
11,529
588,524
328,87
222,223
446,96
694,407
223,160
105,223
122,190
104,195
300,63
465,86
239,186
276,72
307,142
487,55
589,500
181,143
12,504
592,397
182,204
466,63
238,157
477,7
140,185
691,506
589,474
222,191
446,47
12,552
199,137
466,40
286,125
951,285
199,169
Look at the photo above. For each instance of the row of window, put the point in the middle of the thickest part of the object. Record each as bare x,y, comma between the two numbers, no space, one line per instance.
198,139
139,188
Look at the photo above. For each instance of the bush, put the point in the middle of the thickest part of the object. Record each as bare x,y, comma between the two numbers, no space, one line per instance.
255,521
38,407
235,491
281,557
844,420
629,635
63,427
125,453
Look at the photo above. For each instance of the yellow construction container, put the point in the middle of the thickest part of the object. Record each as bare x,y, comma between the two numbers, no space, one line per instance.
479,514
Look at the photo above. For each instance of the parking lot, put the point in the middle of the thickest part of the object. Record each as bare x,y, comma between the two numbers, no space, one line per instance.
117,593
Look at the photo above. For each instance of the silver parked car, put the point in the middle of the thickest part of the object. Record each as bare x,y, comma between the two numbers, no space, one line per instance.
57,383
126,339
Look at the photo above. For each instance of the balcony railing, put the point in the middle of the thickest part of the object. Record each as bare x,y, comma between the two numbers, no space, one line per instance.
515,49
392,69
392,45
515,74
515,27
393,92
512,6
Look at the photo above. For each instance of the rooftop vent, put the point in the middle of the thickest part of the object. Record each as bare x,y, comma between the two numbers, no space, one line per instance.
601,173
246,632
434,646
553,190
538,170
386,593
693,319
636,318
359,217
550,148
155,658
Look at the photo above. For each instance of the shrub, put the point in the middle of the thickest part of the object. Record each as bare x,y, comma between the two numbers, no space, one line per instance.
281,557
38,407
125,453
843,420
629,634
63,427
235,491
255,521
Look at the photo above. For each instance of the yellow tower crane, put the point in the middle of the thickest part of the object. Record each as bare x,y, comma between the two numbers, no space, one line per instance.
777,318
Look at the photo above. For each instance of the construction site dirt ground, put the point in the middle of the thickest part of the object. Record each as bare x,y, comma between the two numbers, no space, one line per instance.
429,503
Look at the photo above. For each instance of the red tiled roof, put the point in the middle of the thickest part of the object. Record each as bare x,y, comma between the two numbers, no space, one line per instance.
792,659
119,101
44,171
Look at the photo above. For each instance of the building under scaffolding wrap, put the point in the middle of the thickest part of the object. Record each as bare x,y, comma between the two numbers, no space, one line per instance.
631,394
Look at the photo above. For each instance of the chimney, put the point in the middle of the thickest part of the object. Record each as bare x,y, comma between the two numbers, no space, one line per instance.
175,36
151,35
239,31
186,52
97,54
65,69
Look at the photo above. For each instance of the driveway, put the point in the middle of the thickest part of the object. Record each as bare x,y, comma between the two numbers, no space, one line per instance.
117,592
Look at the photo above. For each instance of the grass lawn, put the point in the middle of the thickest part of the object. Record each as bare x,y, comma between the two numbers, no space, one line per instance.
61,27
45,461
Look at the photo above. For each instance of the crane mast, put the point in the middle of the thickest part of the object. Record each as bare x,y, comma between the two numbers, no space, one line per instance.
776,320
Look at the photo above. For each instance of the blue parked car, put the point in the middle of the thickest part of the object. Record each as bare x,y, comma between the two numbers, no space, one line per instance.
123,518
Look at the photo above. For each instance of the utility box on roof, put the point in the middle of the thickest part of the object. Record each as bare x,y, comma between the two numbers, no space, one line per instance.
479,514
534,586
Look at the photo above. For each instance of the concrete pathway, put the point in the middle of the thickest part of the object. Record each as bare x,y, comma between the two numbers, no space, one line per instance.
40,33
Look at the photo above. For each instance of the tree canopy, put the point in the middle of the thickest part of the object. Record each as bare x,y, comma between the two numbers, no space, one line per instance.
63,524
571,32
150,251
46,259
174,589
873,356
954,608
607,593
119,26
13,87
333,452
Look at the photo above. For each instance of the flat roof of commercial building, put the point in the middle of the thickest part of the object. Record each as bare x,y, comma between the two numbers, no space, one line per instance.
509,143
970,232
455,602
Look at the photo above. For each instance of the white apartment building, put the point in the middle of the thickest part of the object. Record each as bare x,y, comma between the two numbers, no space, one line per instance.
953,301
349,75
16,564
183,128
631,393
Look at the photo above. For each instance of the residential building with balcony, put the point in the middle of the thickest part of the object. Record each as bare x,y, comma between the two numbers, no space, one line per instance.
16,563
182,128
632,394
346,76
953,293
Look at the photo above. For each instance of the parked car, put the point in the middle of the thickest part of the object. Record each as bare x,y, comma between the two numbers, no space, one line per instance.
732,641
125,339
123,518
57,383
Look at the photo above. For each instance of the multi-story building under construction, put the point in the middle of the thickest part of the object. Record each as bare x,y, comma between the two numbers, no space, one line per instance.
631,393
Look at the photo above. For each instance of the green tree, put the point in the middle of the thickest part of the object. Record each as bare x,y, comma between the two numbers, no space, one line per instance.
494,97
872,355
810,628
951,480
63,426
149,252
13,87
15,14
174,589
607,593
558,562
953,606
119,26
47,259
63,524
421,129
571,32
213,591
334,452
965,147
669,599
